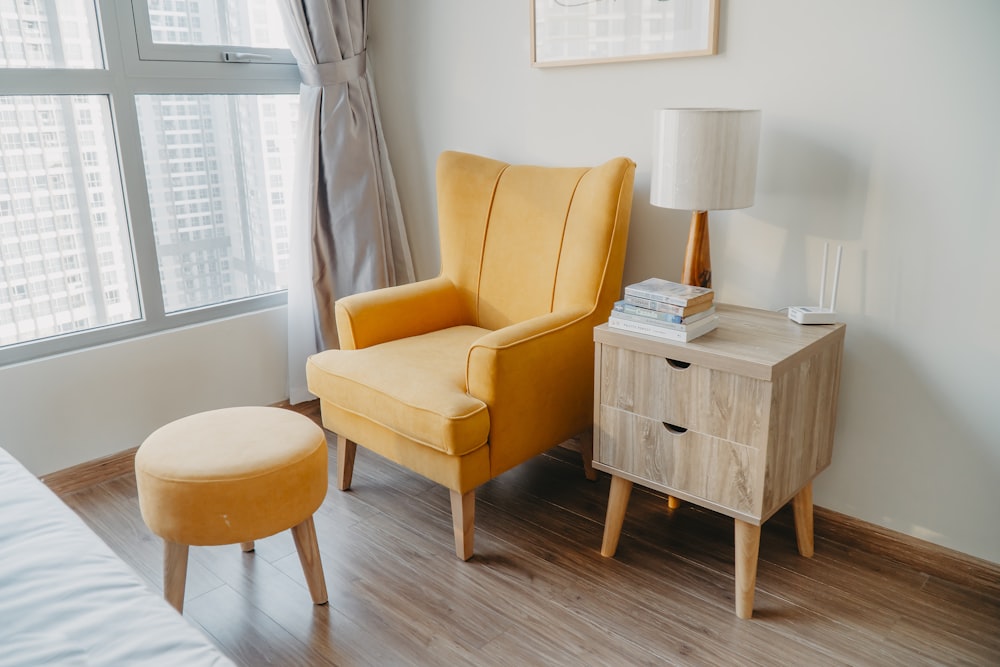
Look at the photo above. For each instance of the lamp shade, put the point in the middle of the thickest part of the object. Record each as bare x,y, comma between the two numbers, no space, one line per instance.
704,159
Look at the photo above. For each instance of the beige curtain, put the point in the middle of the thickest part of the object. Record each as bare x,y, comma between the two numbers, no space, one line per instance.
347,232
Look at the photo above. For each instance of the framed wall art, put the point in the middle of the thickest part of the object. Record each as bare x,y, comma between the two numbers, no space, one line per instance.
579,32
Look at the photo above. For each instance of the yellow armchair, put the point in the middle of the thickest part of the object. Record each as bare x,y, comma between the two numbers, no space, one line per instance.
464,376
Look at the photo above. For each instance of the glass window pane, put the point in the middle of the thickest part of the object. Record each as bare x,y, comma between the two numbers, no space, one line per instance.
218,170
33,33
65,253
253,23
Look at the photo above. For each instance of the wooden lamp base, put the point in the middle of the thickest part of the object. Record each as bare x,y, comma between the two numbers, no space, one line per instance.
697,263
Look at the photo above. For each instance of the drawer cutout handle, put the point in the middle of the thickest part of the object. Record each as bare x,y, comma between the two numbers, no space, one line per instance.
673,428
679,365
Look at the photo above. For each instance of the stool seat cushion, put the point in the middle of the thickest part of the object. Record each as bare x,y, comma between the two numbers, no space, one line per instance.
231,475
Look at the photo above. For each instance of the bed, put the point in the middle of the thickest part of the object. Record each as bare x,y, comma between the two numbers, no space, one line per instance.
66,599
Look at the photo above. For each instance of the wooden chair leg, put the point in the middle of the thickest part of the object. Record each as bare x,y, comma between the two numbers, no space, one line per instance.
587,454
463,518
247,546
802,506
304,535
175,562
346,450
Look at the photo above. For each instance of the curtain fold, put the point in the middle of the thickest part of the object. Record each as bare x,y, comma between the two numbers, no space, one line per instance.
346,234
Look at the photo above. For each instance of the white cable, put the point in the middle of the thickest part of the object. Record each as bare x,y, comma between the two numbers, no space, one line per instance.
822,276
836,279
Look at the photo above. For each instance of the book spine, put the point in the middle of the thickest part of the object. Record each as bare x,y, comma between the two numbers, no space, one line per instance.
658,316
650,329
651,320
650,314
659,306
654,296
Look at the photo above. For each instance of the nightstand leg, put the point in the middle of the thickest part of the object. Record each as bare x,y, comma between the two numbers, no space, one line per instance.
802,505
621,488
673,502
587,454
747,546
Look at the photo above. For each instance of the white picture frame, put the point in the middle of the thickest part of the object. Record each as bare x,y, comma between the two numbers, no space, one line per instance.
582,32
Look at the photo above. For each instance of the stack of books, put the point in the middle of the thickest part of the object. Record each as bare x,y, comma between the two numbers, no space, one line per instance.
665,309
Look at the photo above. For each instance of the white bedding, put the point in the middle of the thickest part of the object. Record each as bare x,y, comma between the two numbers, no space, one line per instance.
66,599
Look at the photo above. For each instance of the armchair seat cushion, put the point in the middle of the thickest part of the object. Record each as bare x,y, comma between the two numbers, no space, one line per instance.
415,386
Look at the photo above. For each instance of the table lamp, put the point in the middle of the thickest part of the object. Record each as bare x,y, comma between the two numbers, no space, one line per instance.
703,160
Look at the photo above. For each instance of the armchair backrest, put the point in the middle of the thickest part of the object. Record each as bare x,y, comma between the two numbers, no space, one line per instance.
523,241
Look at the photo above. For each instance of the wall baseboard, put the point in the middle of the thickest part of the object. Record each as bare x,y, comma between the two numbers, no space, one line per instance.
927,557
932,559
90,473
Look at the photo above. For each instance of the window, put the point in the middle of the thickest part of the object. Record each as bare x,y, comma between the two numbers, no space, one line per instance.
248,31
40,39
119,176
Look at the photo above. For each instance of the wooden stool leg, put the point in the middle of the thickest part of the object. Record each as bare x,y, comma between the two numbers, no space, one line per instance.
463,520
175,563
802,505
621,489
304,535
247,546
747,548
587,454
346,450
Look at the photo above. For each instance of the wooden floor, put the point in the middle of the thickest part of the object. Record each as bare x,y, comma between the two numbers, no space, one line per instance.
538,592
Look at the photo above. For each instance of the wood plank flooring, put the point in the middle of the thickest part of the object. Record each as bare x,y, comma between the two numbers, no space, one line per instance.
538,592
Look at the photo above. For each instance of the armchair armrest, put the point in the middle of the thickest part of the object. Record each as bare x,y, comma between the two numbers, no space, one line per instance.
537,378
381,315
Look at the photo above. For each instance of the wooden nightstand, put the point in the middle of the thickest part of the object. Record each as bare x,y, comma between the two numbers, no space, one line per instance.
739,421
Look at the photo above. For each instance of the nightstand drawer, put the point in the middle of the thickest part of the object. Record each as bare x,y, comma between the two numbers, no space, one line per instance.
718,403
714,469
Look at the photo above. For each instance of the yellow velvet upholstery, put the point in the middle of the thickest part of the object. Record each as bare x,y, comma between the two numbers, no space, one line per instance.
231,475
466,375
419,388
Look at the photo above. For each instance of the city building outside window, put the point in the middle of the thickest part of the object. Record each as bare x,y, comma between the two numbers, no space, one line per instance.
146,156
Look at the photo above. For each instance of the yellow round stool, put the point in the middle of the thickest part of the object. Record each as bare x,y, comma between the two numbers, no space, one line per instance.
233,476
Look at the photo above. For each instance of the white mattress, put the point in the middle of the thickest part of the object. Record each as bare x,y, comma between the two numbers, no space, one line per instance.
66,599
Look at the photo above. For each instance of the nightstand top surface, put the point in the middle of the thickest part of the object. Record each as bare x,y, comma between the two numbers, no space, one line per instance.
750,341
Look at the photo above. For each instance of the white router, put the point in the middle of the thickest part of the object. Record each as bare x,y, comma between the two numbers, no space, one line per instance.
820,314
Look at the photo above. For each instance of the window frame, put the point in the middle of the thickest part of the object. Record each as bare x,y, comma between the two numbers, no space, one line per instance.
126,75
152,51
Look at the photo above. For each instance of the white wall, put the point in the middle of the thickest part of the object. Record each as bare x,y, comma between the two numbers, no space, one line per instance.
71,408
880,131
